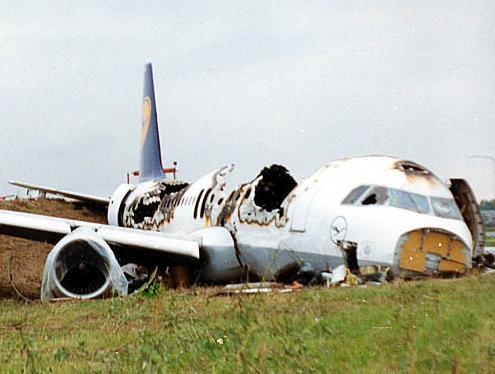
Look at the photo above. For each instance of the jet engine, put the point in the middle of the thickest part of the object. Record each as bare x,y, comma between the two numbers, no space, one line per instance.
82,266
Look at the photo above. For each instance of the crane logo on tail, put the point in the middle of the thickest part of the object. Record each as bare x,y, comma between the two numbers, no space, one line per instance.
146,119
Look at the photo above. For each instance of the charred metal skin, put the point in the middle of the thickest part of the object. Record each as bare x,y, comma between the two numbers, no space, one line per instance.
147,206
152,205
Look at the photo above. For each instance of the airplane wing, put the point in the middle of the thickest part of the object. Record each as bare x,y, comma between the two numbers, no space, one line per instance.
96,200
52,229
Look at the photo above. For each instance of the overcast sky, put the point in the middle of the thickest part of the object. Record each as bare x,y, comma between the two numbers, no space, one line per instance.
248,82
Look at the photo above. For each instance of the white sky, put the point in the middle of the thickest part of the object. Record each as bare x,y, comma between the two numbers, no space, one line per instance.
249,82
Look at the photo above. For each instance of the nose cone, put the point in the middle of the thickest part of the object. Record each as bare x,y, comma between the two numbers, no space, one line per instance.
432,251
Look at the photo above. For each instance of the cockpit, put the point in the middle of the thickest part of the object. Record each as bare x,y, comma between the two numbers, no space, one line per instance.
365,195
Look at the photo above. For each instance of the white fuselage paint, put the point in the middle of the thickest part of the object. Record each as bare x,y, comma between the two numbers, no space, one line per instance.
304,228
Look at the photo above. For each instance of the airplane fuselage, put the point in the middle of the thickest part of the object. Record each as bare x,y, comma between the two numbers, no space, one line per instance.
360,211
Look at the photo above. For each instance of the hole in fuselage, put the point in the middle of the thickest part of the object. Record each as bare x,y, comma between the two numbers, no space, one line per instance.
350,255
274,186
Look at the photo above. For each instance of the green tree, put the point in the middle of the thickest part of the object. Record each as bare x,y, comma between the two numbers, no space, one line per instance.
487,205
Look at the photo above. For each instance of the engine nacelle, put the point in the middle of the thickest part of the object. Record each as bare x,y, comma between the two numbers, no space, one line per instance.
117,204
82,266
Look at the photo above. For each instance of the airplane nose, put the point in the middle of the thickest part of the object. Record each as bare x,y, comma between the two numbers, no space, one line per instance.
431,251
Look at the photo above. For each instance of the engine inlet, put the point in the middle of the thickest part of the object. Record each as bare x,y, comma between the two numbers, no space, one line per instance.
82,266
80,269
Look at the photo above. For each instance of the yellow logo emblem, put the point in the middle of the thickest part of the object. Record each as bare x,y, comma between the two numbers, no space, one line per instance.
146,119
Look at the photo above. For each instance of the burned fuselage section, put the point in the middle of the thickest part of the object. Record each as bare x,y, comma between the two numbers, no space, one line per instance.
261,201
152,205
245,213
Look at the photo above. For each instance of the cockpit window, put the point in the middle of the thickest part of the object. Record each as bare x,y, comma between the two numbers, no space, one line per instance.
410,201
421,203
445,208
377,196
355,194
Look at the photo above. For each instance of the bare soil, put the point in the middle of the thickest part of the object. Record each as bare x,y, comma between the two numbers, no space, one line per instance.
28,257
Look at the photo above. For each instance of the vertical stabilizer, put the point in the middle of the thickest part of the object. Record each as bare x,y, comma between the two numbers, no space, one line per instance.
150,166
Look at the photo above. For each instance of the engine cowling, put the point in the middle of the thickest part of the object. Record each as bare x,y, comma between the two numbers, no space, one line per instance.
82,266
117,204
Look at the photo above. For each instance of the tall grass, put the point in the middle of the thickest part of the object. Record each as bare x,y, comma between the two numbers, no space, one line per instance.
434,326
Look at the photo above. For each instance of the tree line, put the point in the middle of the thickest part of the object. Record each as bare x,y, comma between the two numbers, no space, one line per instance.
487,204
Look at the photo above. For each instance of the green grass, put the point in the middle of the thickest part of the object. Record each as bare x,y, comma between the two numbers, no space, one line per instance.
429,326
489,241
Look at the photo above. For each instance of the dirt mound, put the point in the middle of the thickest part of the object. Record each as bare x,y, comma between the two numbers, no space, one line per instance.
28,257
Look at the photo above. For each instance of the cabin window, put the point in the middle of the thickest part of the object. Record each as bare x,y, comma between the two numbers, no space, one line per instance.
355,194
248,192
237,195
197,203
203,205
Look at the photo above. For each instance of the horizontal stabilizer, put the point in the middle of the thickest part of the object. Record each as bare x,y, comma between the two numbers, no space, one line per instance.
96,200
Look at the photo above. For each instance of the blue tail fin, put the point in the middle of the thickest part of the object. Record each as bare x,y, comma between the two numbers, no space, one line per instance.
150,166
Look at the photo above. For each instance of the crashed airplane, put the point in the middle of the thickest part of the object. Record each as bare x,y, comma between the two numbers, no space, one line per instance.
357,211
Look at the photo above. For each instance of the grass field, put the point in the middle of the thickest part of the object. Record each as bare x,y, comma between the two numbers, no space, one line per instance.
429,326
489,241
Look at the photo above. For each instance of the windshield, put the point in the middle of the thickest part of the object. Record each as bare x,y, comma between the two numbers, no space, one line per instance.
379,195
355,194
445,208
410,201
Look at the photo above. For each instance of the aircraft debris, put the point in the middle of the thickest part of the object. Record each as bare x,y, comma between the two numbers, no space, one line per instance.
253,288
343,276
338,275
136,276
352,212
